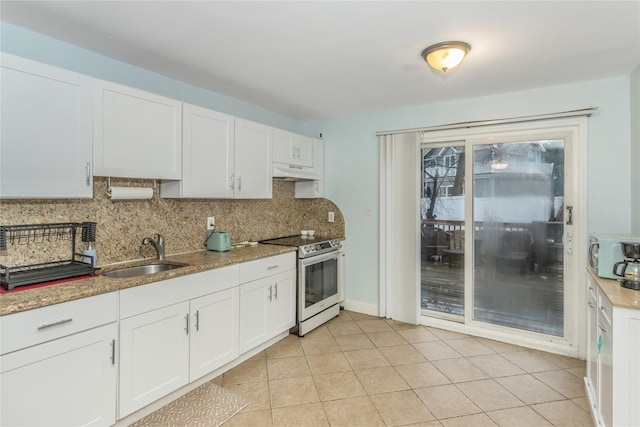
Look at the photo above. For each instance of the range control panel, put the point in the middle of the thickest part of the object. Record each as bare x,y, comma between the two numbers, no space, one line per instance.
319,248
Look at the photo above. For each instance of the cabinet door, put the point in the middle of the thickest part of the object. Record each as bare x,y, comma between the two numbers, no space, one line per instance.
309,189
154,356
302,150
592,335
313,189
207,155
214,336
292,149
70,381
136,134
282,141
46,148
253,314
253,169
282,313
606,371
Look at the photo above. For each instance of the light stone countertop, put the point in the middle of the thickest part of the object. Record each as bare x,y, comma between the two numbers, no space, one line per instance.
619,296
21,300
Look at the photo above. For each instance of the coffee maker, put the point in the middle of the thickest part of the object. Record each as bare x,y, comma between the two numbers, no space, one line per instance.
629,269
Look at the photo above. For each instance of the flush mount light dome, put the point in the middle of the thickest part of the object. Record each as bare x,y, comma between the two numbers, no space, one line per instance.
446,55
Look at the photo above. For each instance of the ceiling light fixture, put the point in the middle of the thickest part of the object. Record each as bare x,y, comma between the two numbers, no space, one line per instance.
446,55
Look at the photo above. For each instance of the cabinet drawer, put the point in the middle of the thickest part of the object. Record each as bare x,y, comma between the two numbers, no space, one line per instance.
605,307
21,330
153,296
592,290
264,267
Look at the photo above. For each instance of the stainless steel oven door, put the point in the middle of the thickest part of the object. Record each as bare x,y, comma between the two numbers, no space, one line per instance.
318,283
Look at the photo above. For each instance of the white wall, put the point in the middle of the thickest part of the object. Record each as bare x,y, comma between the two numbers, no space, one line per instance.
635,151
351,159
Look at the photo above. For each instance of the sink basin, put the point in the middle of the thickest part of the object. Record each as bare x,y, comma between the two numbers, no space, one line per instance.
140,270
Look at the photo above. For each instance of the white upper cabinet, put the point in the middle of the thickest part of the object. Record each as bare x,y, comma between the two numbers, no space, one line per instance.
313,189
45,143
223,157
207,155
292,149
252,160
136,134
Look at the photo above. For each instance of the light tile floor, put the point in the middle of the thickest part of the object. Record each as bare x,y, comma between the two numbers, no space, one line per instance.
358,370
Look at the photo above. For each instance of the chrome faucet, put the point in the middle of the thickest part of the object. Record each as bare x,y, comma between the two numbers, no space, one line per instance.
158,246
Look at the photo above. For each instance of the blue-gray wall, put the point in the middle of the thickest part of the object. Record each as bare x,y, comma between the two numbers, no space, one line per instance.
352,171
22,42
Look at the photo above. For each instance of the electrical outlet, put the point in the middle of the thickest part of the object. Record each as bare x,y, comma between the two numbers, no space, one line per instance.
331,216
211,222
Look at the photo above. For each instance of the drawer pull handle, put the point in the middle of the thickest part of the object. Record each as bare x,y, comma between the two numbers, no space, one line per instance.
591,305
87,168
272,267
59,322
198,320
602,328
276,293
113,352
603,308
186,327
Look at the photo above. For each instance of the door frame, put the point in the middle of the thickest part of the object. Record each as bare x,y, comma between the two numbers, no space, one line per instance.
575,332
575,124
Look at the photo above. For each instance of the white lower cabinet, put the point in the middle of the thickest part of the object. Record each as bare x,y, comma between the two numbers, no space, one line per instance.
175,331
58,364
154,356
613,352
67,382
214,339
267,299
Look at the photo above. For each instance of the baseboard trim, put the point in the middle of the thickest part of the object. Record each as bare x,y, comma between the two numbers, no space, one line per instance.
360,307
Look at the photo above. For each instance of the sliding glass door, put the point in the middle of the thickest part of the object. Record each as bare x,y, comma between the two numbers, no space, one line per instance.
442,229
492,224
518,205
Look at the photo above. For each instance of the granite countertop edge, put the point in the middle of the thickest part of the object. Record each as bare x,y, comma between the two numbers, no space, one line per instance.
619,296
23,300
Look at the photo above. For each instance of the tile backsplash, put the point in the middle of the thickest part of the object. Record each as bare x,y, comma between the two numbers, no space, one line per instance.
122,224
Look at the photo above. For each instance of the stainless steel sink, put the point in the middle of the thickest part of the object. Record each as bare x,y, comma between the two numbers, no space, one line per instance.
140,270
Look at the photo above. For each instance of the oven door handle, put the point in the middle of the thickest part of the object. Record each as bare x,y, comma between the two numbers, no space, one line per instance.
320,258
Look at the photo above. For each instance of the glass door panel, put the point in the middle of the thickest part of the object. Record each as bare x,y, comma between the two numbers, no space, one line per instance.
518,203
442,230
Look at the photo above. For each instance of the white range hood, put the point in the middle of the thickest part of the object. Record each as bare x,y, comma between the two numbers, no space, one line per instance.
290,172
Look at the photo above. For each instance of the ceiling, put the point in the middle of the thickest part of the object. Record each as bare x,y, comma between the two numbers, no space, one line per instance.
311,60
